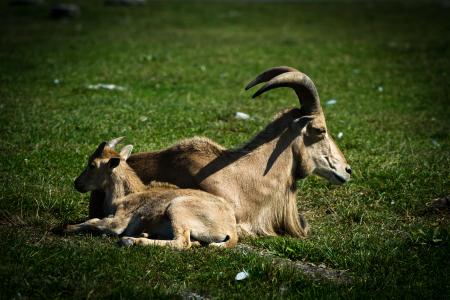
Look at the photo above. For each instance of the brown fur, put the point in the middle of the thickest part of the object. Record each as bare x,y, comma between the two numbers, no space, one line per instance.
171,216
259,178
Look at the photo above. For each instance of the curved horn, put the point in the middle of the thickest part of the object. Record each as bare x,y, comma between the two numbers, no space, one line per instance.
112,143
269,74
303,86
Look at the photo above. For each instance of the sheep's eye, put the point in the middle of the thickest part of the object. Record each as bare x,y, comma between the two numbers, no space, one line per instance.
92,166
320,130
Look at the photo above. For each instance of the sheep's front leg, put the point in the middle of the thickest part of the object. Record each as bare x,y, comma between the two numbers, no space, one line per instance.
181,241
112,226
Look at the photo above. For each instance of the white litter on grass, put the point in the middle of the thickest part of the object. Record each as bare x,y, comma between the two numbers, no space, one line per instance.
124,2
392,202
106,86
56,81
241,116
380,89
331,102
193,296
230,14
241,275
340,135
143,118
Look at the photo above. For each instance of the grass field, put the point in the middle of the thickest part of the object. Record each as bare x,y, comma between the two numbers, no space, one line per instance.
183,67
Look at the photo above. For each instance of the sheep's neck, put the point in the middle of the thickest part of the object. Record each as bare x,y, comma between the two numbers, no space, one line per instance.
123,182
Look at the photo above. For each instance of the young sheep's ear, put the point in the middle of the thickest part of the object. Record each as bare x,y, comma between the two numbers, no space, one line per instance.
98,152
126,152
113,162
301,122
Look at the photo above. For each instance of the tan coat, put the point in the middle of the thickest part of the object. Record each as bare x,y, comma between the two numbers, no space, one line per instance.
164,215
259,178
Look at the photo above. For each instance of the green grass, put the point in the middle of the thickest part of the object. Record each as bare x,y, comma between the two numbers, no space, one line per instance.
184,66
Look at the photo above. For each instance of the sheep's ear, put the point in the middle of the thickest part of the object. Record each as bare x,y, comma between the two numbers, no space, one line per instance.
301,122
113,162
98,152
126,152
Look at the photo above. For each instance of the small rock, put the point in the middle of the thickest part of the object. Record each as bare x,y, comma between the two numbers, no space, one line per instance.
441,203
435,143
26,2
193,296
340,135
241,116
125,2
56,81
380,89
62,11
241,275
148,58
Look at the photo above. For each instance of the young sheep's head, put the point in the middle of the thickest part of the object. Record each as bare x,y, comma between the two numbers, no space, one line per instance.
100,166
317,152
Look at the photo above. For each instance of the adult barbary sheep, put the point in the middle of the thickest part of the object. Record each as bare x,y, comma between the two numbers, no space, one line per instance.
172,216
259,178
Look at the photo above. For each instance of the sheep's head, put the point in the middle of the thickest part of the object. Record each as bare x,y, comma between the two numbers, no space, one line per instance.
317,151
101,165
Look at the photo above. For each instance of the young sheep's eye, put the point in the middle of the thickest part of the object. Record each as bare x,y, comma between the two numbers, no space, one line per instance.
92,166
320,130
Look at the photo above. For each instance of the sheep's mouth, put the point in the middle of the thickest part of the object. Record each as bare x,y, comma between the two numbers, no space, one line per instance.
332,176
80,188
340,179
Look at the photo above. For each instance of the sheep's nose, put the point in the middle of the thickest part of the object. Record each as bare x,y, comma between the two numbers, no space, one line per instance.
348,170
78,186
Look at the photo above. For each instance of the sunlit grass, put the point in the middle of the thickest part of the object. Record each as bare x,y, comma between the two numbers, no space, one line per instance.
183,67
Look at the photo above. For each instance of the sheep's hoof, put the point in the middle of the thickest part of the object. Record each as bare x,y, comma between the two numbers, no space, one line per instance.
126,242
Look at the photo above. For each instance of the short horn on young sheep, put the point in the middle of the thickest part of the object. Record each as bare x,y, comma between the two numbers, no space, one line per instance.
112,143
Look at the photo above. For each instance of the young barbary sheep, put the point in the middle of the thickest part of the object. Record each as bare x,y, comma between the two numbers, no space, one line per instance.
259,178
174,216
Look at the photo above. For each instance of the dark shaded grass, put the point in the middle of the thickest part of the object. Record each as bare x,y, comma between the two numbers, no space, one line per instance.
184,67
63,267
